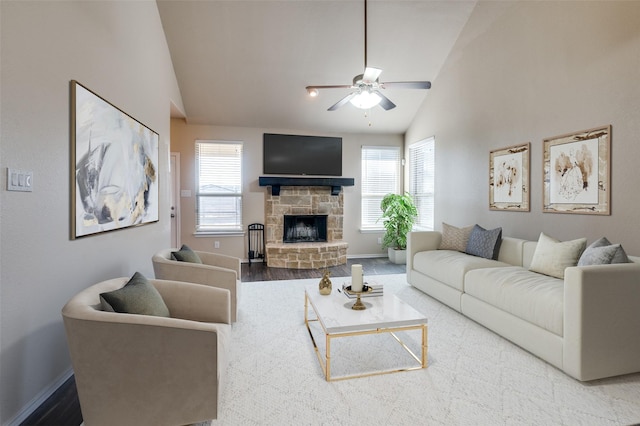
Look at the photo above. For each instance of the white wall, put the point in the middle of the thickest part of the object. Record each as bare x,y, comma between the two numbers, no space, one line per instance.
524,71
118,50
183,137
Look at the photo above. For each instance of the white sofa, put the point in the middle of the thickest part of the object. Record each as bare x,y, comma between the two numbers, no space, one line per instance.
587,325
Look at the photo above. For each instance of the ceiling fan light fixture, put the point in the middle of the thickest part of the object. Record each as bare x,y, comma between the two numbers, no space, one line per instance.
312,92
365,100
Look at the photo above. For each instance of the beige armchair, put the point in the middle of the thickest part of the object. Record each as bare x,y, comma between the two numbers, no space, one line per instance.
147,370
216,270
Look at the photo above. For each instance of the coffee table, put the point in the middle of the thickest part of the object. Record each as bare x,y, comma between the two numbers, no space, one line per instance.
384,314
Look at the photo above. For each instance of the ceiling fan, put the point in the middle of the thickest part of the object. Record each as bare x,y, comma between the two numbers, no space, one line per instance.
366,87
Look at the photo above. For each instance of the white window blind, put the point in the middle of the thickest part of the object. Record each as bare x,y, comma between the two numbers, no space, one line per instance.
380,176
219,186
422,181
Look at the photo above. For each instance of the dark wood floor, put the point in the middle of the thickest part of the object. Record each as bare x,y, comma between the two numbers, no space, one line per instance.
370,266
63,408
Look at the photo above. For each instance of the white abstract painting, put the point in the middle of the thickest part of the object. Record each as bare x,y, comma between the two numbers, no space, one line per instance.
507,178
574,172
116,160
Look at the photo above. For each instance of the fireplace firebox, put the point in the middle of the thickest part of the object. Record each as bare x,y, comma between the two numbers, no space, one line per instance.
304,228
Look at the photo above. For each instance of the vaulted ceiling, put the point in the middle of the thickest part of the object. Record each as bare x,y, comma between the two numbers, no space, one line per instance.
247,63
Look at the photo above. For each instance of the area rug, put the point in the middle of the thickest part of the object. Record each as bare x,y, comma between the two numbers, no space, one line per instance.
474,376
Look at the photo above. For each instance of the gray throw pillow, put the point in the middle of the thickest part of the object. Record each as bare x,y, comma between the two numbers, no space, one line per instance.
484,243
138,296
598,255
185,254
602,252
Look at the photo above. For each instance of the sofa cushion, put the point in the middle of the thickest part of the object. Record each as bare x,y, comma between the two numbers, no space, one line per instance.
535,298
454,238
552,256
138,296
602,252
484,242
449,266
185,254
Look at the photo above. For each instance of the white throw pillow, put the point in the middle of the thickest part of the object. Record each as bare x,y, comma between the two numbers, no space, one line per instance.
553,256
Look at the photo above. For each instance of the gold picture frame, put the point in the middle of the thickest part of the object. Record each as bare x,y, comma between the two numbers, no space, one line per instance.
509,175
577,172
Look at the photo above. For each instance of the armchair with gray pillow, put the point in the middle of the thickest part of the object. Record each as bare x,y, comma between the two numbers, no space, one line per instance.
161,366
199,267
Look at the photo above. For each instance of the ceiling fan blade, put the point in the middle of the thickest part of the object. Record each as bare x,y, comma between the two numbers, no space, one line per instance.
385,102
343,86
371,74
341,102
407,85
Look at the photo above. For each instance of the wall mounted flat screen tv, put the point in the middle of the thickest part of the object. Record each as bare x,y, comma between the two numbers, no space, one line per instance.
302,155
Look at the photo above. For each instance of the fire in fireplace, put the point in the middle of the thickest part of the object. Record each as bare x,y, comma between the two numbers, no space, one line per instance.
304,228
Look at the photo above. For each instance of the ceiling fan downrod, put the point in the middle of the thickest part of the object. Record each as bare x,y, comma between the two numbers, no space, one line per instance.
365,34
366,87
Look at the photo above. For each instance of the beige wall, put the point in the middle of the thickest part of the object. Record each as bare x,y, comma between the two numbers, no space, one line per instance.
183,137
524,71
118,50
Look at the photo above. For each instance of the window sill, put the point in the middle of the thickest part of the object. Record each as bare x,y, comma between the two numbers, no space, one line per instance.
371,230
204,234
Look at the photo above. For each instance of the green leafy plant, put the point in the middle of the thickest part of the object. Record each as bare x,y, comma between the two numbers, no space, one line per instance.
399,213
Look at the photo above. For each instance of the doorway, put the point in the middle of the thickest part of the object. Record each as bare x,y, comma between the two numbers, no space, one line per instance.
174,170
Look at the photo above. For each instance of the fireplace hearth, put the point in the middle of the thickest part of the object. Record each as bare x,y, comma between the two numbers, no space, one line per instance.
304,228
304,201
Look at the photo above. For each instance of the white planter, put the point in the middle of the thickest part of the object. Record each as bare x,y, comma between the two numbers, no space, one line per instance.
399,257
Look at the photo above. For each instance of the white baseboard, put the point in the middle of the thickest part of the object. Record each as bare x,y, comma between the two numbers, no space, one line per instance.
366,256
40,399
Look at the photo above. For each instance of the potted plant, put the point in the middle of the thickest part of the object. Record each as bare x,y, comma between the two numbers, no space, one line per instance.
398,216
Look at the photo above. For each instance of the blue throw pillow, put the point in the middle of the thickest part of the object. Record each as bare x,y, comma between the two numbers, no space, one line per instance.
484,243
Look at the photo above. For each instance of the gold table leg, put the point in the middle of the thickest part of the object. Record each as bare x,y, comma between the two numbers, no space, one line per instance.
325,363
328,358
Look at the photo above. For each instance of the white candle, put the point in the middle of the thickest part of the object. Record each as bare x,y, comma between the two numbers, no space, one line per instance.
356,277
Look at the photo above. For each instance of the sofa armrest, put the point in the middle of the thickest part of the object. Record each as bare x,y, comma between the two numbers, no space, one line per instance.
195,302
418,241
221,260
601,321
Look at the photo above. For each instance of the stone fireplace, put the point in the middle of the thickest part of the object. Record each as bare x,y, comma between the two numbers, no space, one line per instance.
305,206
306,228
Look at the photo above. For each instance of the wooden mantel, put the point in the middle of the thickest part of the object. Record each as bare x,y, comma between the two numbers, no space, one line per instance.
275,182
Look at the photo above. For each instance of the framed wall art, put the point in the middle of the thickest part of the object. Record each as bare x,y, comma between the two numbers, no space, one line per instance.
576,170
114,164
509,178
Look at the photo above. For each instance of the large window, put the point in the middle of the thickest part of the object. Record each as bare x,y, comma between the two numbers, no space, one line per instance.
421,180
380,176
219,187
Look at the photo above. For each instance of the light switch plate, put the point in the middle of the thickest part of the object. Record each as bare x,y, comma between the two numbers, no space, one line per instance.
19,180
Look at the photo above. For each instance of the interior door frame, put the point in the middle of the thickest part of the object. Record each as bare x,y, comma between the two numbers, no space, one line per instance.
174,171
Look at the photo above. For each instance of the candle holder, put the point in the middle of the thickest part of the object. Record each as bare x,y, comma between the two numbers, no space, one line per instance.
358,306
